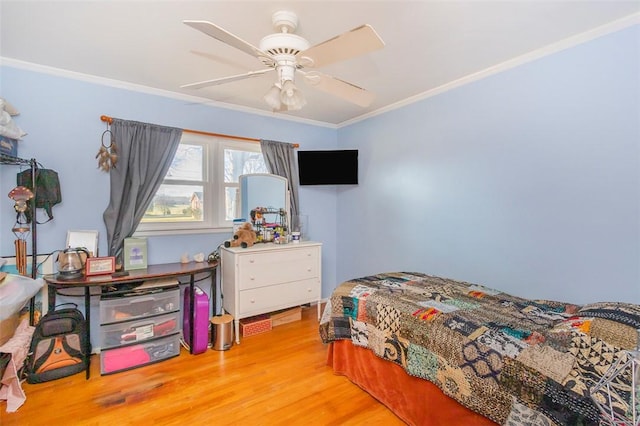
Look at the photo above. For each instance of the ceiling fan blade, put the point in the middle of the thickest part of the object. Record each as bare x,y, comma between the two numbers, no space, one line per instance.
225,36
356,42
223,80
342,89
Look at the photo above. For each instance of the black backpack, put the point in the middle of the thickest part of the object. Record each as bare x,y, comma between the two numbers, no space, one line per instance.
48,192
59,346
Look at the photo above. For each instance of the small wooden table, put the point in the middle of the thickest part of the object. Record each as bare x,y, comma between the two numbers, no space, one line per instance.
152,272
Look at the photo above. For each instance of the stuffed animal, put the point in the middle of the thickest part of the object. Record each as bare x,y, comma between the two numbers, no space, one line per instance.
244,237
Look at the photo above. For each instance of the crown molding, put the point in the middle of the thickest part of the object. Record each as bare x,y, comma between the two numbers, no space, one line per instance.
567,43
139,88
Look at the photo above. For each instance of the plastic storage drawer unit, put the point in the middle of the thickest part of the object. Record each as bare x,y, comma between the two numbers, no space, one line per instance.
126,332
123,308
137,355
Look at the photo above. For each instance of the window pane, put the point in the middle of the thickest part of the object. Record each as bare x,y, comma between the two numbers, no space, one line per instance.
238,163
176,203
231,204
187,164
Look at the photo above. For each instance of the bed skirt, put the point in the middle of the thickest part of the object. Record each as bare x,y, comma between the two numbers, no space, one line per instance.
415,401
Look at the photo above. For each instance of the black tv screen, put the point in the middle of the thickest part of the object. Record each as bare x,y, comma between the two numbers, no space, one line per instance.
338,167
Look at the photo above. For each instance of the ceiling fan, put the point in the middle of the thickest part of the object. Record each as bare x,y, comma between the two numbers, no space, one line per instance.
289,54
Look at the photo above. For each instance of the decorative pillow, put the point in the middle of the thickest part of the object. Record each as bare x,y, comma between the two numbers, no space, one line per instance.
625,313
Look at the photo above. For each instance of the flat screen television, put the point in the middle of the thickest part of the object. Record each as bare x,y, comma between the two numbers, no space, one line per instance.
337,167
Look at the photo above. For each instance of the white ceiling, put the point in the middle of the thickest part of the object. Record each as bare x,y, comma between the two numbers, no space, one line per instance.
428,44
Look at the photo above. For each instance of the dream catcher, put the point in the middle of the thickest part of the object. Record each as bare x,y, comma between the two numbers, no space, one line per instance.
108,154
21,195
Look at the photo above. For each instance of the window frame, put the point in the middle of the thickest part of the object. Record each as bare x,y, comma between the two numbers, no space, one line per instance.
213,185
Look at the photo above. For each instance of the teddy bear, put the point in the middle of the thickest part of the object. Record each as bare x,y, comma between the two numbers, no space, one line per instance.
244,237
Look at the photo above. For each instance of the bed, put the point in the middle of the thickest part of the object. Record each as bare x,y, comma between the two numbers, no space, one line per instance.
442,352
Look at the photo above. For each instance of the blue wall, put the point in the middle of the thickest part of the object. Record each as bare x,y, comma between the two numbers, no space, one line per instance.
527,181
62,118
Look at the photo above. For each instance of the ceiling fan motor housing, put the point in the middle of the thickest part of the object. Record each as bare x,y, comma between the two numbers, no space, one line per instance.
284,45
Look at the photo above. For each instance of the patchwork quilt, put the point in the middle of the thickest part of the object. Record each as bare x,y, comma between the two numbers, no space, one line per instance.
513,360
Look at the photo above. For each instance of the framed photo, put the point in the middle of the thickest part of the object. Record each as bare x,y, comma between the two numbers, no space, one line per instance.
135,253
86,239
100,265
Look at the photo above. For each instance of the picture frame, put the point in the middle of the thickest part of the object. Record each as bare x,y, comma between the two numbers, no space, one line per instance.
86,239
135,253
100,265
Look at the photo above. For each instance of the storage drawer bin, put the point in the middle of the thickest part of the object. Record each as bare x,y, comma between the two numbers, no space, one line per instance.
138,355
123,333
119,309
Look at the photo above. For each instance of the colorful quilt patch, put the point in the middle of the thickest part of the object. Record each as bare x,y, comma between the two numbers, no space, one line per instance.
548,361
377,339
421,362
482,289
566,408
350,307
388,319
453,382
426,314
593,358
360,291
359,333
464,326
481,361
503,343
521,415
440,306
395,350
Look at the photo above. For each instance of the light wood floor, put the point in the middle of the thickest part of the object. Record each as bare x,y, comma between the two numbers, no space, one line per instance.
279,377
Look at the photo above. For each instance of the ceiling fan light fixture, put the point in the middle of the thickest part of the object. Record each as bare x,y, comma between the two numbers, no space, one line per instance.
272,97
291,96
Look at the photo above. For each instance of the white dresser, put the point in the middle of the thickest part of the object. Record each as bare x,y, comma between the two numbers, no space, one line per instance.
268,277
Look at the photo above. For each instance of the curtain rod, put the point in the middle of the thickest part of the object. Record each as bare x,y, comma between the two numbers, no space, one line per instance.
109,120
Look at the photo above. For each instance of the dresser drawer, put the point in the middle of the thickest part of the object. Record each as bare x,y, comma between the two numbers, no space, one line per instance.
267,299
133,356
265,269
135,307
127,332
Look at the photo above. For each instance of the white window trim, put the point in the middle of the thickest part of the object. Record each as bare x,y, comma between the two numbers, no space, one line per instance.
213,189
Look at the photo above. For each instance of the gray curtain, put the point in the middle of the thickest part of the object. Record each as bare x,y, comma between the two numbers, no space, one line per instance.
145,152
280,159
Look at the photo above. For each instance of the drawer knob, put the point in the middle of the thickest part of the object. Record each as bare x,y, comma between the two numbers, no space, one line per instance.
253,301
251,261
252,278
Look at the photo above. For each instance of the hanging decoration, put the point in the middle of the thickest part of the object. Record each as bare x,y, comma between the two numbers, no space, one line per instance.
108,154
21,229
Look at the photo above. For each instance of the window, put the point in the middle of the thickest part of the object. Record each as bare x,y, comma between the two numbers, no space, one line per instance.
199,193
